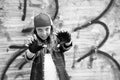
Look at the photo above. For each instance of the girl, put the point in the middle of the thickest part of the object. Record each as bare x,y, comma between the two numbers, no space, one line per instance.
47,50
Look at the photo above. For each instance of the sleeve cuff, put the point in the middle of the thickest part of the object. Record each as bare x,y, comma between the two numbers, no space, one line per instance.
28,58
67,46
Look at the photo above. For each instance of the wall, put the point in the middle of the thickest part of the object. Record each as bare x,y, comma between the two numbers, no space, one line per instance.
72,13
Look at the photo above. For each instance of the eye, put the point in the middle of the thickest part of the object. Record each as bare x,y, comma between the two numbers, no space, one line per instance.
40,30
47,29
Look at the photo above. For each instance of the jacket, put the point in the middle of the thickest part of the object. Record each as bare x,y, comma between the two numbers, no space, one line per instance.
37,71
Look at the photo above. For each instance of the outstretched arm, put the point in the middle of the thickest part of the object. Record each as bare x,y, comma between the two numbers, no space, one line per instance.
33,48
64,39
29,56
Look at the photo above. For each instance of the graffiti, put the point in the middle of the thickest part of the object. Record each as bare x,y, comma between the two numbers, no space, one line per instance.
39,3
94,21
3,29
4,32
97,18
1,4
24,10
50,6
93,51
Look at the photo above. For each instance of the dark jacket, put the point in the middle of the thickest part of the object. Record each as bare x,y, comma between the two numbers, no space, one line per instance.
37,72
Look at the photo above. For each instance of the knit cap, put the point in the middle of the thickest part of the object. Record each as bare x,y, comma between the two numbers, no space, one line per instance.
42,20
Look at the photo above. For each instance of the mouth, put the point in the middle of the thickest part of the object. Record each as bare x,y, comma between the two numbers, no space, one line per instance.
44,37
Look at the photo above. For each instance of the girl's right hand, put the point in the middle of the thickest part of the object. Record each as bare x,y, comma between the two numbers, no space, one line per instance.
33,44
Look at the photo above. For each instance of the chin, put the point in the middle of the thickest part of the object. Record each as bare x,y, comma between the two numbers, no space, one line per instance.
43,38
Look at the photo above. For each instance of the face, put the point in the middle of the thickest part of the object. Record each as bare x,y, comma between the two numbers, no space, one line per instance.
43,32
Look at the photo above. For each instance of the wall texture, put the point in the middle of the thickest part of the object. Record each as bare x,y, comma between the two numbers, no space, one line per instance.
72,13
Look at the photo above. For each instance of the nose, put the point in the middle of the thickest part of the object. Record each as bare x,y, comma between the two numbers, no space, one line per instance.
44,32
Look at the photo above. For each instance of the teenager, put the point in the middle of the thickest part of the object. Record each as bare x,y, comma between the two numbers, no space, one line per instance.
47,50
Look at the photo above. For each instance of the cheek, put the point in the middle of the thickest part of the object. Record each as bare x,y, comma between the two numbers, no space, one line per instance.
39,33
49,32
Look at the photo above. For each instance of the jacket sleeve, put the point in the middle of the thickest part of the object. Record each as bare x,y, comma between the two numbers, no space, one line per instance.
29,56
65,47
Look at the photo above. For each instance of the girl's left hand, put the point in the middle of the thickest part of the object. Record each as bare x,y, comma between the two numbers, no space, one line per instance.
64,37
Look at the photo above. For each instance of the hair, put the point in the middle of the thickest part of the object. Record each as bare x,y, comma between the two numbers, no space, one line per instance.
40,21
